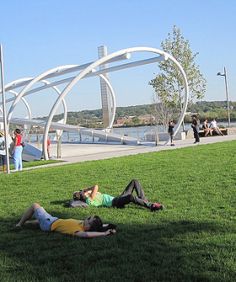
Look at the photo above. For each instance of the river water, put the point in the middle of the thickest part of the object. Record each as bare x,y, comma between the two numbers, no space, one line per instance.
138,132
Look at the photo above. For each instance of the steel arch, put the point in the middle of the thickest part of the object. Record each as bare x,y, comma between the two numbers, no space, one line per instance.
39,78
103,60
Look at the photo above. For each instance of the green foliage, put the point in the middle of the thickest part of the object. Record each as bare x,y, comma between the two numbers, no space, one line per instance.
210,110
168,85
193,239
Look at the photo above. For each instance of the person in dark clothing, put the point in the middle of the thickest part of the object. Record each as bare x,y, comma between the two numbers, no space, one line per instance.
171,126
195,126
92,197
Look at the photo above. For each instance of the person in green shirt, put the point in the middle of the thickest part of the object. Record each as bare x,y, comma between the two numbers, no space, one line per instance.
92,197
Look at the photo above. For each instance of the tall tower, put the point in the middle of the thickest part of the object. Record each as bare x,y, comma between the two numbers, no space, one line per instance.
105,97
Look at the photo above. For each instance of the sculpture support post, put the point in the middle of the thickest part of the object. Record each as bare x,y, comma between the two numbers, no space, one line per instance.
4,110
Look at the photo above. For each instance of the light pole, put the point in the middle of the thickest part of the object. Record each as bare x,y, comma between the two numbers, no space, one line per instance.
227,94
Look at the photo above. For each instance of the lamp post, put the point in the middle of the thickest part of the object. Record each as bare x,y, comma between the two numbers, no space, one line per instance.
227,94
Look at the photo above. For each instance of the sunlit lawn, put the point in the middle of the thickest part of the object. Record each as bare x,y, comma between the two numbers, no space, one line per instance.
193,239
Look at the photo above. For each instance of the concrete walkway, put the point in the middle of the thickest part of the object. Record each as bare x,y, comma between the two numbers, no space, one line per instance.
74,153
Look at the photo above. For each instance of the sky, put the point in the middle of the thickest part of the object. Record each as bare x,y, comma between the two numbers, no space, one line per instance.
38,35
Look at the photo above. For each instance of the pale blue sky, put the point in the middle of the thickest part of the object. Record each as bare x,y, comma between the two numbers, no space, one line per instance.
39,35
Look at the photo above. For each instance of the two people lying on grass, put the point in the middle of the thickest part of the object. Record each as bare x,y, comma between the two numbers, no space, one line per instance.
92,197
90,227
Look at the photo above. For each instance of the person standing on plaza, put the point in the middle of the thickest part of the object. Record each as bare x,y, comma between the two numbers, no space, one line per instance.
171,126
17,150
195,126
3,153
48,147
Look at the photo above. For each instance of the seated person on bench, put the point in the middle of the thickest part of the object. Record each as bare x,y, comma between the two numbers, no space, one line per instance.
206,128
215,128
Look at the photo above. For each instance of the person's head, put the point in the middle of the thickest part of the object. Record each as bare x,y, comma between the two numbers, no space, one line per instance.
94,223
79,195
17,131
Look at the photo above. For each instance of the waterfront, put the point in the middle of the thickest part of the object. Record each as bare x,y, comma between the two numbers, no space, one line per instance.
138,132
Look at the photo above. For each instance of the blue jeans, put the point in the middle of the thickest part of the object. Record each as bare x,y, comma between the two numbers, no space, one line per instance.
17,157
44,218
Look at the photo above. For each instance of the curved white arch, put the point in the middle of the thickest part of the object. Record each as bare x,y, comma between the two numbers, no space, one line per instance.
40,78
24,101
31,83
103,60
17,83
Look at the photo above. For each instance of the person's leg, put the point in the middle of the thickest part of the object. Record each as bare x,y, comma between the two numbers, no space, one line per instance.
134,185
1,161
20,157
28,214
4,162
197,137
194,134
16,158
121,201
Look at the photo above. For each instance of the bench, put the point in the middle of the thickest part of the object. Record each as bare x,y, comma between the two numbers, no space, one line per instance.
223,130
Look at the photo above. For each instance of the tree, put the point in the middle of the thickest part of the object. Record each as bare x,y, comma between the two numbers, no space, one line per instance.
168,85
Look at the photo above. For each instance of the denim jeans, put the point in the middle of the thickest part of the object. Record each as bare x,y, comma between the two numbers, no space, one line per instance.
17,156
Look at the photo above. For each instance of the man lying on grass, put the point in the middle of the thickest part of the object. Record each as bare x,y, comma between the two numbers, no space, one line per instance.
92,197
91,227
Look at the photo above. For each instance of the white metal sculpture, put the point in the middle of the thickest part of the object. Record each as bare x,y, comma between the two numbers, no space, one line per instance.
89,70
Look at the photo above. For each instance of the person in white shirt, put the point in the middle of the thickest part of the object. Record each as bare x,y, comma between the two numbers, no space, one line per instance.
215,128
3,158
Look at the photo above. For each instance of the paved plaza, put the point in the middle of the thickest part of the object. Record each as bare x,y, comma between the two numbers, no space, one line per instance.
73,153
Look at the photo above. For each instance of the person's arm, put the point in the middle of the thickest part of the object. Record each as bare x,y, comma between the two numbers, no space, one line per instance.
15,142
90,234
91,192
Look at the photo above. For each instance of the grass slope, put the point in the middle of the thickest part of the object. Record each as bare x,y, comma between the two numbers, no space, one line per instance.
193,239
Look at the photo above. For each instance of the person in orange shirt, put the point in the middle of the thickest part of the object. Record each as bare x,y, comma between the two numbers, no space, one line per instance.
90,227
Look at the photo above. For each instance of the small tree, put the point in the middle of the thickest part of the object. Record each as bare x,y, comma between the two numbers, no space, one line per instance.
168,85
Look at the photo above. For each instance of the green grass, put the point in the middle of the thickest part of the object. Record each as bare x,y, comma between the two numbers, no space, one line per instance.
193,239
33,164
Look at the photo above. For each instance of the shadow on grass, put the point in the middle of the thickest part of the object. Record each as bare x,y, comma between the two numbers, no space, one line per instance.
61,202
171,251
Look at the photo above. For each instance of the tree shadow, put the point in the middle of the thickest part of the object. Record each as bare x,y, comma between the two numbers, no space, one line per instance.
169,251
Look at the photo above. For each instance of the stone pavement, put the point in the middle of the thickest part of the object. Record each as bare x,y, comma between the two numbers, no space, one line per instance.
73,153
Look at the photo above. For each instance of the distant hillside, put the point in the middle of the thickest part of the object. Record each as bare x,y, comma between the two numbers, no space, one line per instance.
93,118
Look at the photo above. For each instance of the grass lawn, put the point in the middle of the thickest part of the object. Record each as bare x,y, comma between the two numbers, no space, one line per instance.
193,239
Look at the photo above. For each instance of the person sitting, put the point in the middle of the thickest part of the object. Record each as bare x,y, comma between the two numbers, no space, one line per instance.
94,198
206,128
215,128
90,227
